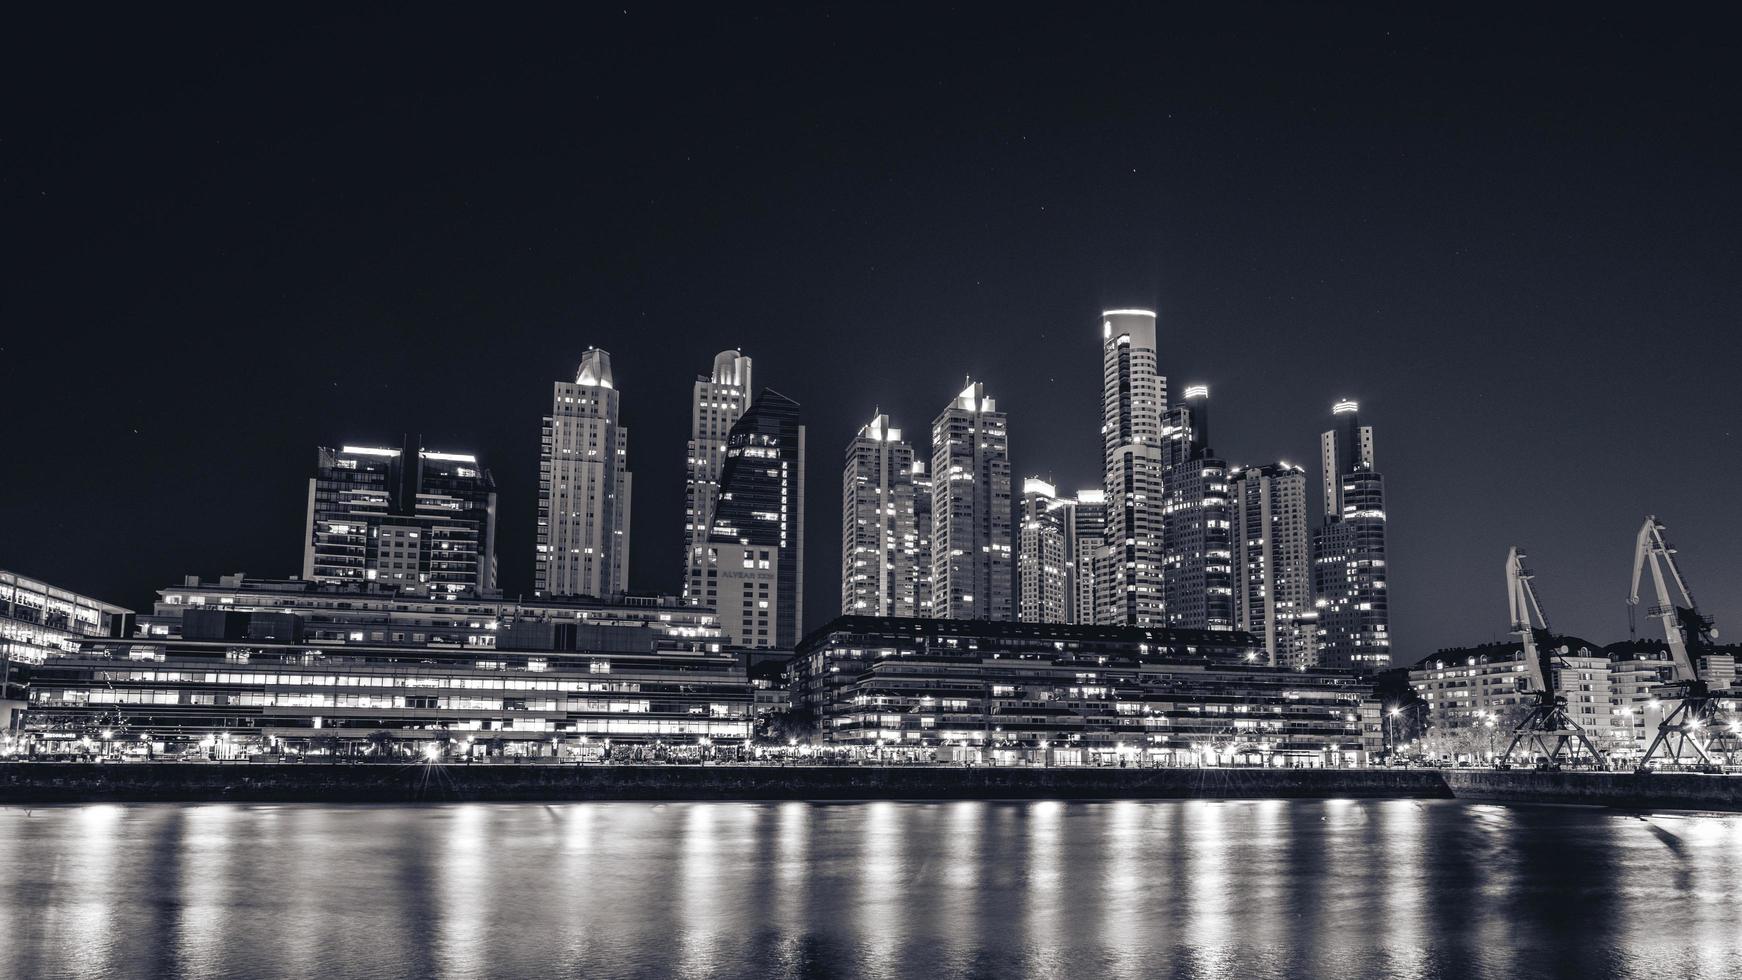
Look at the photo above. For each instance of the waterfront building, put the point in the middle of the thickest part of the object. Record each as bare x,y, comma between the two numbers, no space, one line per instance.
39,620
238,666
1043,554
1197,548
1133,398
879,532
754,579
1086,545
1273,561
991,691
423,522
1349,571
971,539
584,487
1474,694
716,402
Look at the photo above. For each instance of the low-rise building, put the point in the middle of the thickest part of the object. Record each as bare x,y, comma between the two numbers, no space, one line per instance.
1476,697
241,666
39,620
1069,694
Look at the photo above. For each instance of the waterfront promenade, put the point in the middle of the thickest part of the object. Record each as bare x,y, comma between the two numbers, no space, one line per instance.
40,782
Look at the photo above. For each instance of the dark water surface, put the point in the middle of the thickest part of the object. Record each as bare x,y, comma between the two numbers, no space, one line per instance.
1341,889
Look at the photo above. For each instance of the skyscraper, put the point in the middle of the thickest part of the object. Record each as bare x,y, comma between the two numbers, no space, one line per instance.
922,563
879,536
1197,546
1349,549
1273,562
1043,566
1133,398
420,521
584,487
971,546
717,401
755,575
1088,533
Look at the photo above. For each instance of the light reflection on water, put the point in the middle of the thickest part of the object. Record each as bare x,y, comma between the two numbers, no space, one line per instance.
1268,888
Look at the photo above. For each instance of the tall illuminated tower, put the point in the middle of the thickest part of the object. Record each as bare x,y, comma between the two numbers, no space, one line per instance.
1349,573
971,546
880,545
583,487
717,401
1133,398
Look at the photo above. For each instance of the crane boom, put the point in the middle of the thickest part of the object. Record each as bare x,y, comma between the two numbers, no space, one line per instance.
1682,622
1547,731
1527,617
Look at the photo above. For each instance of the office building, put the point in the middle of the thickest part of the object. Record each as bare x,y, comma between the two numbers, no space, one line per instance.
1197,545
1076,695
236,667
419,521
39,620
716,402
584,487
1133,398
1273,561
879,533
972,549
1043,558
1349,573
754,578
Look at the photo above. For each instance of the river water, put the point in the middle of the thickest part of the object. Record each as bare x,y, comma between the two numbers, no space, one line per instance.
1347,889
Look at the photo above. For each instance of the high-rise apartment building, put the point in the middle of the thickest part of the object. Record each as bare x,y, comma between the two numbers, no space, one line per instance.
880,544
971,546
1273,562
922,563
1349,572
755,575
1043,557
1088,534
421,521
584,487
1197,523
717,401
1133,398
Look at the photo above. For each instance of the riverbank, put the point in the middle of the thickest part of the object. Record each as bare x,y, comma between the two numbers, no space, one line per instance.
306,782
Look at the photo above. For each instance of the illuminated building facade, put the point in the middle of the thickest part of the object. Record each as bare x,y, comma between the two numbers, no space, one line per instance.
754,578
1005,692
717,401
37,621
240,666
420,521
584,487
1197,546
922,557
1349,573
880,536
971,541
1133,398
1088,534
1043,554
1273,561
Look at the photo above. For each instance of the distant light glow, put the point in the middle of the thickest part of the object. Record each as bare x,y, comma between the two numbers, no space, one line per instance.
1344,407
368,451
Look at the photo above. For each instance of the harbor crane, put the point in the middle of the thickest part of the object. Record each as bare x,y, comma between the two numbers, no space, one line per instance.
1692,726
1546,727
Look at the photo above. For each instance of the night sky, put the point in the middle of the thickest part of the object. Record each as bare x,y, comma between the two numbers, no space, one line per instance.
1512,234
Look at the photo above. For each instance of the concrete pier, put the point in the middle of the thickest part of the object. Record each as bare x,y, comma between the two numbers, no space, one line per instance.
327,783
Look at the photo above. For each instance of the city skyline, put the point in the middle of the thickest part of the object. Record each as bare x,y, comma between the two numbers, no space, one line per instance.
1517,304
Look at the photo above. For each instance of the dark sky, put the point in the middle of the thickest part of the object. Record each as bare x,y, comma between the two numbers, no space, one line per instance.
1512,234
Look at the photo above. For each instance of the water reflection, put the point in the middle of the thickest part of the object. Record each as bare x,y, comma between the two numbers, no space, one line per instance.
1191,889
